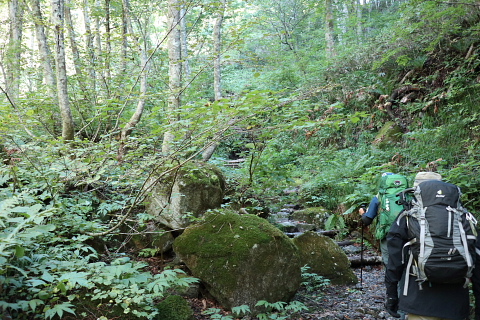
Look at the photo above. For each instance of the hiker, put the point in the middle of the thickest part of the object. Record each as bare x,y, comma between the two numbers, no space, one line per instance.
385,207
476,281
425,296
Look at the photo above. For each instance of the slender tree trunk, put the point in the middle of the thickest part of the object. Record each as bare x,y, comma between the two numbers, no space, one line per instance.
108,43
73,42
43,47
359,20
98,46
144,64
135,118
184,44
89,45
217,71
14,49
217,42
174,72
123,58
61,68
329,29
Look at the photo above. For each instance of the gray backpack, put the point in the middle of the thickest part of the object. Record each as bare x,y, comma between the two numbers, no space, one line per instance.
442,235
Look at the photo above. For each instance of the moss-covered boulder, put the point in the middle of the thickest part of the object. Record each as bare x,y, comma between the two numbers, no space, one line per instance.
188,191
325,258
174,308
388,134
313,215
241,259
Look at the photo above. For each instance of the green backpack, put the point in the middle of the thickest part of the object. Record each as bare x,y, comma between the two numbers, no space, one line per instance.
390,185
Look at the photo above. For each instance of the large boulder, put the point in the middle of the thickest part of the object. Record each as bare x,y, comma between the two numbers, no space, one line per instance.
241,259
186,192
325,258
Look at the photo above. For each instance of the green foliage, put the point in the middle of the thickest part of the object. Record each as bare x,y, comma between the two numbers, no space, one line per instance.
277,310
338,174
301,120
466,176
47,269
335,222
313,282
174,308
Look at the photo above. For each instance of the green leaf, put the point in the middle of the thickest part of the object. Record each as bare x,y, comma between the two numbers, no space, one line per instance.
34,303
37,282
61,286
47,277
19,251
76,278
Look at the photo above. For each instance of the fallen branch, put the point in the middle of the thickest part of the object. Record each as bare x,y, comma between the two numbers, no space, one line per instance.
356,261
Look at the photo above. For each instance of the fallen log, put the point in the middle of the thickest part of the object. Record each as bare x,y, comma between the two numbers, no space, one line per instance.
328,233
357,261
345,243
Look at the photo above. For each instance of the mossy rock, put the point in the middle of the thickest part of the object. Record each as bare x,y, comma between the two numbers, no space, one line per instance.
388,134
312,215
241,259
325,258
191,190
174,308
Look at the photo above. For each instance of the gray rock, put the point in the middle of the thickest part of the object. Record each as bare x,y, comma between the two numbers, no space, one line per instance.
193,189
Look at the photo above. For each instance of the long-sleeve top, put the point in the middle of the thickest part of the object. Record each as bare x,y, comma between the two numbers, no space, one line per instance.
372,211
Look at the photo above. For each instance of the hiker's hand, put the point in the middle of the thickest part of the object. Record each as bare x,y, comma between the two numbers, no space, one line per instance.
392,306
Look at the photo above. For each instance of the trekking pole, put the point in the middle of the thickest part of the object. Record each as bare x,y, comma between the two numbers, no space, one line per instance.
361,249
361,258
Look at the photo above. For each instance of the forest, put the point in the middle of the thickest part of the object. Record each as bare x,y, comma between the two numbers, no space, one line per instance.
299,102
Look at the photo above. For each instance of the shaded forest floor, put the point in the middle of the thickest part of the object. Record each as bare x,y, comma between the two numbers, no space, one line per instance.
361,301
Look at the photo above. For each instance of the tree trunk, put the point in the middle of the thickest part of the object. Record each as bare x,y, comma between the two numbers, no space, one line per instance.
184,44
174,71
98,46
217,42
329,29
108,43
217,70
61,68
14,48
135,118
125,18
73,41
89,45
43,47
359,20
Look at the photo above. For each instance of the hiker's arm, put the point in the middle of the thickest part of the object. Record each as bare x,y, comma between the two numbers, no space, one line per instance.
396,238
371,213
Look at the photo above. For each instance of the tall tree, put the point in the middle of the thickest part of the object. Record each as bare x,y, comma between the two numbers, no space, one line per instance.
43,47
217,69
73,40
359,19
174,70
58,16
329,28
142,45
15,15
